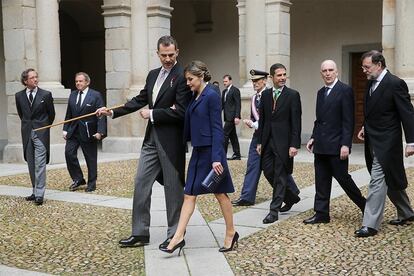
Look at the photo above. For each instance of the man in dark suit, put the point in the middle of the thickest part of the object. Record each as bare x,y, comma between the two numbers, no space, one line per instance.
231,104
84,133
35,108
163,149
331,142
387,106
279,137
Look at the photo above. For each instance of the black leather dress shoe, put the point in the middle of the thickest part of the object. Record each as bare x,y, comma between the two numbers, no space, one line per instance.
401,221
75,185
234,157
90,189
289,205
241,202
270,218
316,220
38,200
30,197
134,241
365,232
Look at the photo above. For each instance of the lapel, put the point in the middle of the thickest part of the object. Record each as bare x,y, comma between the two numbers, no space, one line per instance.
320,102
88,95
199,100
281,99
326,101
151,84
25,102
167,83
371,101
37,99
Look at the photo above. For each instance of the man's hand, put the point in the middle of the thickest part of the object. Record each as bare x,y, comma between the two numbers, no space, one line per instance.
248,122
145,113
293,152
65,133
309,145
409,150
259,149
103,111
361,134
344,152
97,136
236,121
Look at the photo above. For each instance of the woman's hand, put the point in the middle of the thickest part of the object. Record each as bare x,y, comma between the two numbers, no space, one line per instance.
217,167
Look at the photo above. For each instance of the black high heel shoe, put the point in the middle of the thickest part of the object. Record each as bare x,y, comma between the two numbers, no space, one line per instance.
178,245
235,241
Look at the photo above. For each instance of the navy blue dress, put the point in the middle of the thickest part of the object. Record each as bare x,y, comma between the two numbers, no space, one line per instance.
204,129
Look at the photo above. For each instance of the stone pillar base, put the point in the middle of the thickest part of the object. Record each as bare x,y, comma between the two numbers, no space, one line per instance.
122,144
13,153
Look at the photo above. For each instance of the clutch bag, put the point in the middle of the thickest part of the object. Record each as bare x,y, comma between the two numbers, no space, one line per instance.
212,180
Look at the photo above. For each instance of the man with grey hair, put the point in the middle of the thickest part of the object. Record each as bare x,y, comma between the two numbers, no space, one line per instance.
331,142
84,133
35,108
387,106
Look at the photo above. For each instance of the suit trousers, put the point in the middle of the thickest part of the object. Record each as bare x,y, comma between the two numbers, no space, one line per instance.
90,151
230,133
253,171
153,160
377,191
36,155
326,167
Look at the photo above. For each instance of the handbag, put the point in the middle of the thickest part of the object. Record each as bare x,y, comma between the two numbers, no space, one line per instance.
212,180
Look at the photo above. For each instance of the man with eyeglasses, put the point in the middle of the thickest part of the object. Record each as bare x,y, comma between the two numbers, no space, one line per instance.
387,106
278,137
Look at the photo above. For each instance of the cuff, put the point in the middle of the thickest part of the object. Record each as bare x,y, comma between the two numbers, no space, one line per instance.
151,116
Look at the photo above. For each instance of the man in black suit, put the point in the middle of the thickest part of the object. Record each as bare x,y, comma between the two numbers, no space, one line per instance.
163,149
84,133
231,105
279,137
331,142
35,108
387,106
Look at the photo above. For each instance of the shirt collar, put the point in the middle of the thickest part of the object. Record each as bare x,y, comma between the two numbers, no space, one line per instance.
85,91
332,84
28,90
280,88
382,75
168,70
261,91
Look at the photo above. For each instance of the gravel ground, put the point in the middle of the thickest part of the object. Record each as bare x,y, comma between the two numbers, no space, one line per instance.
66,239
292,248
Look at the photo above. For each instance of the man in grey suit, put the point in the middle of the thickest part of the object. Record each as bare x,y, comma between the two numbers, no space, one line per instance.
387,106
35,108
163,150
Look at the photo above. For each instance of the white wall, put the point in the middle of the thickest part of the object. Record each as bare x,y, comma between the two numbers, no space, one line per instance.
219,49
319,30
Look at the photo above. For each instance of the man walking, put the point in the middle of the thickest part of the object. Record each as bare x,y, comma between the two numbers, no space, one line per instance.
331,142
163,150
35,108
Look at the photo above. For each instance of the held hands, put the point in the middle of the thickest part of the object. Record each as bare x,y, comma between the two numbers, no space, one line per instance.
309,145
409,150
218,168
361,134
103,111
344,152
236,121
293,152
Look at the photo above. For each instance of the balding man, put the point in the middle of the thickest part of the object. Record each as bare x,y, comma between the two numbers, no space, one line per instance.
331,142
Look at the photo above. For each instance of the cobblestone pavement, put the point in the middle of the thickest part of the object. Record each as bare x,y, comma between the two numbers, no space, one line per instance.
66,239
292,248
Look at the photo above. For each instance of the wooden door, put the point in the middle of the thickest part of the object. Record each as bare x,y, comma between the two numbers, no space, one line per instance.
359,84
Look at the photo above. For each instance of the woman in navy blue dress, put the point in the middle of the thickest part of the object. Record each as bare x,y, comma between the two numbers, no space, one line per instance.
203,127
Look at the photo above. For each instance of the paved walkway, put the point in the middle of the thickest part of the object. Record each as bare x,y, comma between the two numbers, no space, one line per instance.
201,256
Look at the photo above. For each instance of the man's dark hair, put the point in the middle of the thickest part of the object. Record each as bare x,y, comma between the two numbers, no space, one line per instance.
376,57
227,76
166,41
276,66
25,75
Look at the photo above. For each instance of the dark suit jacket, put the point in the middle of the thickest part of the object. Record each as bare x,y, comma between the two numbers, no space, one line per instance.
334,124
88,126
203,123
42,113
232,104
168,122
385,111
282,127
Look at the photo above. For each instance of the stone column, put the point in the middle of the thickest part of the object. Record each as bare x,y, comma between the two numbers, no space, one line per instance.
159,16
139,43
48,44
278,32
404,41
388,32
241,6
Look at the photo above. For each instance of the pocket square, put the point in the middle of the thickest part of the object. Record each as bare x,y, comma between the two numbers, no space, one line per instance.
42,101
88,104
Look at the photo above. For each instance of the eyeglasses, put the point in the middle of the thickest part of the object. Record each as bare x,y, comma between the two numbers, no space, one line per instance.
366,68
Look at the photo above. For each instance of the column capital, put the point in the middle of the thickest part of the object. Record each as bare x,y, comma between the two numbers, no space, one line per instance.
116,10
285,3
159,10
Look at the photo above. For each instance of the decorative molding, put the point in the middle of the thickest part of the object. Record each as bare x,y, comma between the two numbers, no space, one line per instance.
116,10
159,10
